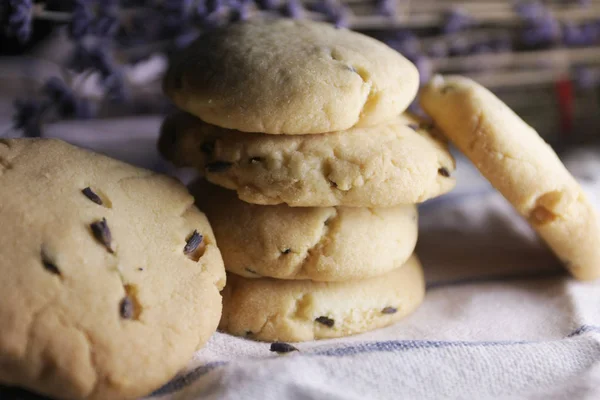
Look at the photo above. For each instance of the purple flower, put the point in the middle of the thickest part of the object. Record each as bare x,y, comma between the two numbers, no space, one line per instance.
455,21
268,4
386,7
293,9
96,58
18,19
81,19
405,43
27,117
61,96
438,49
530,11
584,77
106,22
459,47
501,44
335,12
574,36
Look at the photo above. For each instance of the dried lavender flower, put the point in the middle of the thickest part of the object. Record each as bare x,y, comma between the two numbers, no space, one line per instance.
18,19
89,193
126,308
456,20
27,117
81,19
102,234
328,322
193,242
293,9
281,347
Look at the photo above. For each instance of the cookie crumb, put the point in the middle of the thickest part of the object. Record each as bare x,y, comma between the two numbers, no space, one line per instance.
444,172
389,310
89,193
282,348
218,166
328,322
102,234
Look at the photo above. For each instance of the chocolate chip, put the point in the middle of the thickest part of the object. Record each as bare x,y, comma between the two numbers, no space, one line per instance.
89,193
444,172
286,251
207,147
389,310
140,269
218,166
281,347
328,322
102,234
256,160
193,242
126,308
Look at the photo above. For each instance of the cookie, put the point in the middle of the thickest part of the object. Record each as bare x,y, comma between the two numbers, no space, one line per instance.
317,243
395,163
292,311
110,274
517,161
291,77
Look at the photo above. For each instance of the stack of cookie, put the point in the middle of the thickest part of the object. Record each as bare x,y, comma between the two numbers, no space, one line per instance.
307,124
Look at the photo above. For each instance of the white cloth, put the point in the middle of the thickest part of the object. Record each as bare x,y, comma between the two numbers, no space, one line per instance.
501,318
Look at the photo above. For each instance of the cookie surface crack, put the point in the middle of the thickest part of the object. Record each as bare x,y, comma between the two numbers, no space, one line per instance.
326,230
93,361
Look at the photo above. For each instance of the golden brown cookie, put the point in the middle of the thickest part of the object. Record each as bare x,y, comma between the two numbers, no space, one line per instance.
517,161
317,243
399,162
293,311
290,77
110,274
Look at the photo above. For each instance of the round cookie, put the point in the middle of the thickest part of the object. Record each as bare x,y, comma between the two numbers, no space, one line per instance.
517,161
110,274
293,311
316,243
282,76
399,162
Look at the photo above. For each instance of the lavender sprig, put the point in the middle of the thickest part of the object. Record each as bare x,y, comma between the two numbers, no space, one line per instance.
18,20
81,19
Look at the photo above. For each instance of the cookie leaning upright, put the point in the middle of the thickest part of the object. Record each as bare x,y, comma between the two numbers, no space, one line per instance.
290,77
517,161
110,274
